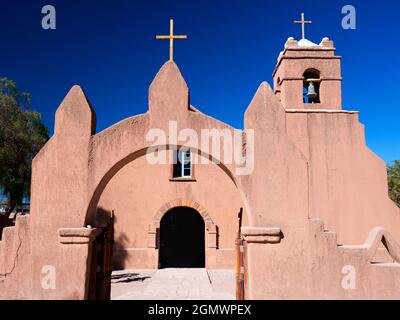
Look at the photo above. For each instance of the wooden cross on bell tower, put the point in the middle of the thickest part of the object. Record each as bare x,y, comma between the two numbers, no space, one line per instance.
171,38
303,22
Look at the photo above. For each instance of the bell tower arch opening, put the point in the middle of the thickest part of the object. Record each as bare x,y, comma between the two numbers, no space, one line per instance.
311,86
182,239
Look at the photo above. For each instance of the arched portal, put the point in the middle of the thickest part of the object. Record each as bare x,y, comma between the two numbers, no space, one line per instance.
182,239
136,191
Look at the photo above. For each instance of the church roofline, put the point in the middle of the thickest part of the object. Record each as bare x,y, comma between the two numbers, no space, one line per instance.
292,45
283,57
320,111
308,49
121,122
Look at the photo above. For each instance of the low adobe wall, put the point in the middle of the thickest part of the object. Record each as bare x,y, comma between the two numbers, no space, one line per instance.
63,276
307,263
16,261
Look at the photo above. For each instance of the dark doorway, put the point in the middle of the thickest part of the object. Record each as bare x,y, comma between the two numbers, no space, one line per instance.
182,239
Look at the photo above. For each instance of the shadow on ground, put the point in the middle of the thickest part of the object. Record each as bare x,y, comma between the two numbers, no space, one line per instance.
127,277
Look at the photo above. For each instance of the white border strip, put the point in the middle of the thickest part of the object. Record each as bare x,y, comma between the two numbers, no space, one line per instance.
320,111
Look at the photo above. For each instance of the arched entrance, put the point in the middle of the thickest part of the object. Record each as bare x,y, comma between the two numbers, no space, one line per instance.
182,239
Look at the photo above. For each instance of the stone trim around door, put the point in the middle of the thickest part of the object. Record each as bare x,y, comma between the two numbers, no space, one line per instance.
210,227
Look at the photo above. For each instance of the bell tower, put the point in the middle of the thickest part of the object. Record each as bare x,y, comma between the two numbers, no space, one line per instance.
308,75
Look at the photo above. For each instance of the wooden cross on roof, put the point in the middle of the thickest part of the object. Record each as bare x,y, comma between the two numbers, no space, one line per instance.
171,37
303,22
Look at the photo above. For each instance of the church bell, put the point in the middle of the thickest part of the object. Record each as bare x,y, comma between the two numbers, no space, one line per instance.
311,93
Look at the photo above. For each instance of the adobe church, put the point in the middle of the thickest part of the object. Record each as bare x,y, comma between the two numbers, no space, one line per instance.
315,207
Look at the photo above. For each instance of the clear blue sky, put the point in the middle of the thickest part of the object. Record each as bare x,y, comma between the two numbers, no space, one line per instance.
109,48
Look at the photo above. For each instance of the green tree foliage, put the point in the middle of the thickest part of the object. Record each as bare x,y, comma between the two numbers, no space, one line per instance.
394,181
22,135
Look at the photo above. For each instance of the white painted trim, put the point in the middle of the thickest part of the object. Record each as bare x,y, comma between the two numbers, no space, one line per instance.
320,111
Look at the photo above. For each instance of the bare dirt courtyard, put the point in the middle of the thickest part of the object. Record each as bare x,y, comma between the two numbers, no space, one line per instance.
173,284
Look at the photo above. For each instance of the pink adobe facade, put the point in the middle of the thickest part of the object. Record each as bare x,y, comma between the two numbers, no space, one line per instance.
315,205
